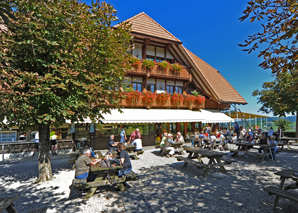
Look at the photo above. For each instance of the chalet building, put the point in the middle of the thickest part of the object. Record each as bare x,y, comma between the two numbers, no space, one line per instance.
170,106
153,42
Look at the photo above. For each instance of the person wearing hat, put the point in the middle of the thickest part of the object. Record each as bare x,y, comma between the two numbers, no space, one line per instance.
168,145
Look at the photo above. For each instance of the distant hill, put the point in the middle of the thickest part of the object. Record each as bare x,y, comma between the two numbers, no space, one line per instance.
290,118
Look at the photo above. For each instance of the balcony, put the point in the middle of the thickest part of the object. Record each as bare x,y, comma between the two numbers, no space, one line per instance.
140,103
157,72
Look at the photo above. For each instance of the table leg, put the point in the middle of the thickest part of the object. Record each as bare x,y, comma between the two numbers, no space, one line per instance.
189,155
280,187
90,193
121,187
11,209
220,164
211,161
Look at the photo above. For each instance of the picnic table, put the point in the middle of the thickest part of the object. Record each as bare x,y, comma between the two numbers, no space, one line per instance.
282,191
7,203
104,176
215,159
176,146
132,153
243,147
286,141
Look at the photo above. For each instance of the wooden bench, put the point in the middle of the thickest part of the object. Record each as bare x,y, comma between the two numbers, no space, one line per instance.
92,186
281,193
7,203
227,160
39,210
198,164
260,155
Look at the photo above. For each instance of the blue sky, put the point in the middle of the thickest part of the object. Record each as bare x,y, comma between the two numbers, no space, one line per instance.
212,31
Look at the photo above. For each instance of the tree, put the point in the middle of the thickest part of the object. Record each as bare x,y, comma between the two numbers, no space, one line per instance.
5,11
282,123
279,37
280,96
61,60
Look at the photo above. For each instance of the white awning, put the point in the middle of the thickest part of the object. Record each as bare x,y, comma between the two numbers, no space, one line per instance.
165,116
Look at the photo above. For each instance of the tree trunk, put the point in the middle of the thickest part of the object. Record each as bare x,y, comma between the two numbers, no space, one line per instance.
44,163
296,124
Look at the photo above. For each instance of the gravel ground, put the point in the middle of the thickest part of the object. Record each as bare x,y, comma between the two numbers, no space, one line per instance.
163,186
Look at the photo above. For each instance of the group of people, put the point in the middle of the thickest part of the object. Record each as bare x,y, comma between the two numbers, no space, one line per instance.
167,142
134,140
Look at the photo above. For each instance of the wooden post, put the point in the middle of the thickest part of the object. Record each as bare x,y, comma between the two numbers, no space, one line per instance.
193,126
185,129
178,127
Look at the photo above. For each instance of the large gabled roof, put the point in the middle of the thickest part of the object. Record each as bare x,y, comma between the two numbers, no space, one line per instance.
222,89
143,24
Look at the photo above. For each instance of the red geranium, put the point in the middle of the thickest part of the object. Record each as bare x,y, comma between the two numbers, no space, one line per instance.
163,97
177,98
148,97
200,99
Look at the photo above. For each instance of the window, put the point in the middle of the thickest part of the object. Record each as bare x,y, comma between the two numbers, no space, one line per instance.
150,88
170,89
137,86
178,90
150,57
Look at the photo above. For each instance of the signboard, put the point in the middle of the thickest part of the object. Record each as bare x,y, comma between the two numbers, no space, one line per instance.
92,127
72,128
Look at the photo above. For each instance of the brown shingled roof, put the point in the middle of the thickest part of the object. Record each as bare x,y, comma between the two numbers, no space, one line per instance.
143,24
222,88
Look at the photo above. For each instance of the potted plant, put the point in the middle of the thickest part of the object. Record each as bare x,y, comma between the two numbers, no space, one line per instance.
133,97
176,67
190,99
200,99
135,62
162,98
148,97
164,65
147,63
177,99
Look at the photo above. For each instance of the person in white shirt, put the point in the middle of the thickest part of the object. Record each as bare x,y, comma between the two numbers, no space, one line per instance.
179,138
138,143
234,138
270,132
162,143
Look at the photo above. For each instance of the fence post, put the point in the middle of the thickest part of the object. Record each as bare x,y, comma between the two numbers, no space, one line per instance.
2,152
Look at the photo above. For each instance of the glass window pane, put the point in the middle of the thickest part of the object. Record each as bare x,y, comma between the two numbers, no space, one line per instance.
135,86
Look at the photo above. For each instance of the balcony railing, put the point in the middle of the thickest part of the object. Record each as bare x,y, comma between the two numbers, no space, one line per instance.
184,74
158,104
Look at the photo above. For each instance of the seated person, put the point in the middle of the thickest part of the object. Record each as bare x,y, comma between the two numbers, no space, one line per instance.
112,146
168,145
206,134
234,138
212,139
273,149
138,143
217,135
82,166
179,138
162,143
263,140
202,135
124,160
247,138
195,138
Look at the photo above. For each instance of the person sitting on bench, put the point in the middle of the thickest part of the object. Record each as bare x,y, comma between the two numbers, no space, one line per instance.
162,143
263,140
274,149
124,160
168,145
82,166
138,143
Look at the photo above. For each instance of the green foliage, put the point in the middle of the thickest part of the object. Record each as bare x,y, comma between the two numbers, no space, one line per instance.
284,124
61,60
280,95
176,67
147,63
164,65
195,93
5,11
278,37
